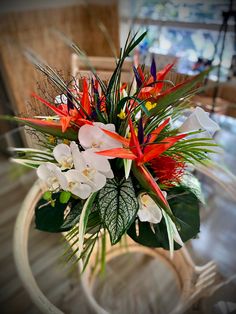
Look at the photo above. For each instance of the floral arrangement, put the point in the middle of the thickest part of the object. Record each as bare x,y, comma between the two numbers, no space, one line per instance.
114,160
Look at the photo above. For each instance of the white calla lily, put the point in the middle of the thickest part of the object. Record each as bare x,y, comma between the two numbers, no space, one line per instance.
75,186
148,209
200,120
63,155
92,136
52,176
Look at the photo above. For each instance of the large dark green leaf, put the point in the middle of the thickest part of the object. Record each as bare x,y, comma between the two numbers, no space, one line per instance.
185,207
191,183
55,216
72,218
118,205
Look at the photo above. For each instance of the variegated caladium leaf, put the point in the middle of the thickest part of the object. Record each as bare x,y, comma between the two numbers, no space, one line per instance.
118,206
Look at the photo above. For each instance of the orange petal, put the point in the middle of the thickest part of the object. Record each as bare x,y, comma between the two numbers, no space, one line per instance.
116,137
82,121
156,149
152,183
118,153
40,122
85,98
140,72
161,74
52,107
134,143
158,130
65,122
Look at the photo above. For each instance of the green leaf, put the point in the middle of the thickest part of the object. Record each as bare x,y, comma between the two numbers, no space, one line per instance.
169,232
45,127
64,197
191,183
185,207
54,216
135,43
72,217
118,205
177,92
172,233
84,220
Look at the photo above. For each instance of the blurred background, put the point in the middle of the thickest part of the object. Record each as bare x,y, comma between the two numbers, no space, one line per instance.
195,34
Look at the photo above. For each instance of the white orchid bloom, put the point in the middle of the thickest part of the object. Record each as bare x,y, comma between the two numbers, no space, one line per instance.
200,120
75,186
60,99
52,176
63,156
98,162
92,136
90,171
148,209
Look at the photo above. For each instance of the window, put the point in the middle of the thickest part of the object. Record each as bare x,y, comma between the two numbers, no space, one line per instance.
185,29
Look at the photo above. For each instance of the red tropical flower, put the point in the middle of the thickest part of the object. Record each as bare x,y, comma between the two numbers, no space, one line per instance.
169,170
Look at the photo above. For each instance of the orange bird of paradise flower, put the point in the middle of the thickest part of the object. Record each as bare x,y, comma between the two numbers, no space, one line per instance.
142,154
67,116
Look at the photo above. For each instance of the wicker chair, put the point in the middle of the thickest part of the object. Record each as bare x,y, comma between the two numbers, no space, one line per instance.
193,280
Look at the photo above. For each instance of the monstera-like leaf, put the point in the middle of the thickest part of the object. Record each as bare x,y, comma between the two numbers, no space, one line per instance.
118,206
185,207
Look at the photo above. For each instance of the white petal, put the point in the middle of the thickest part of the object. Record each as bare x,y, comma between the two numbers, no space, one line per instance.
111,127
72,175
149,210
52,175
75,186
82,191
99,180
43,172
199,119
143,215
109,143
78,160
93,137
62,180
151,214
89,136
52,166
109,174
61,151
206,122
60,99
95,161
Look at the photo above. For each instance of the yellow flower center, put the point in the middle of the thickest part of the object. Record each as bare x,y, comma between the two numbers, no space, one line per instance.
51,139
66,162
89,173
122,115
67,142
150,105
